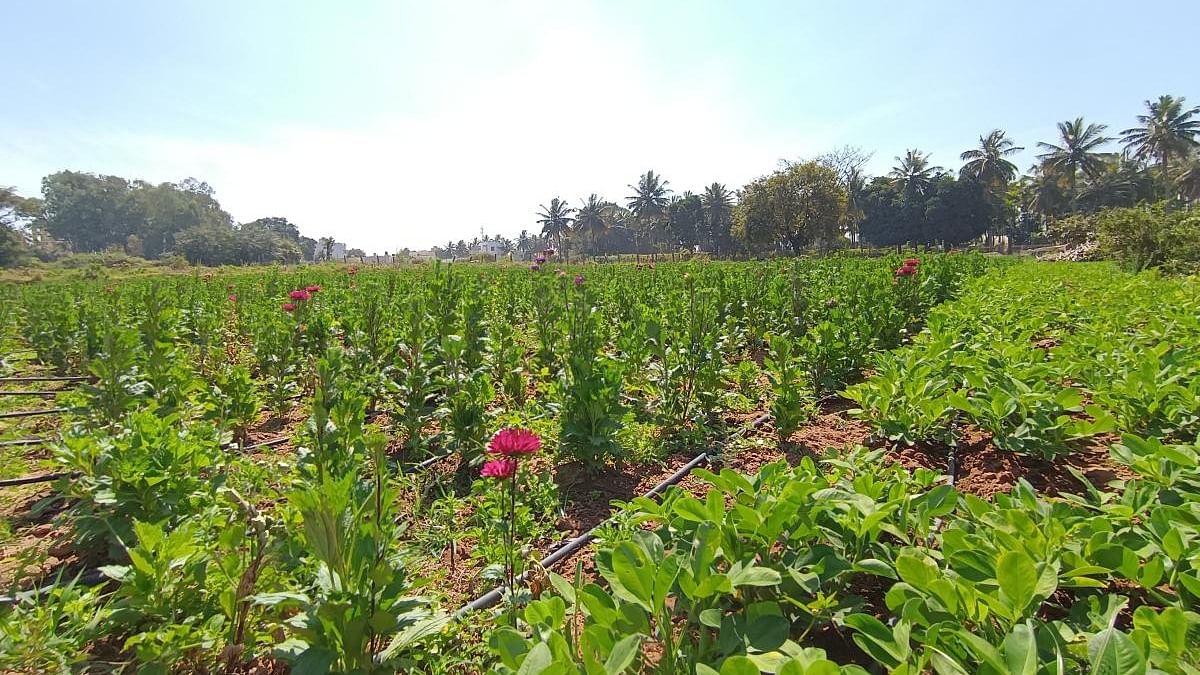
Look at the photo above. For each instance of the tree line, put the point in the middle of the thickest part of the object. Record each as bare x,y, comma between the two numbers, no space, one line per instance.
86,213
828,201
824,202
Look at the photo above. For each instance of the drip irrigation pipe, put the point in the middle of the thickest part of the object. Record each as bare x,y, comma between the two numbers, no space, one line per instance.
44,378
31,393
496,594
88,578
23,441
31,413
51,477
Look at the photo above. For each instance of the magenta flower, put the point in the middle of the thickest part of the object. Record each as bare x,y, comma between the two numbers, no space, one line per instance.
540,259
512,441
289,307
232,297
905,271
299,295
312,289
578,279
501,469
911,262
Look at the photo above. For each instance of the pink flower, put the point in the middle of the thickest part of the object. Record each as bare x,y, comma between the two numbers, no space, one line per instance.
232,297
299,295
312,289
499,468
560,273
540,259
905,271
578,279
911,262
289,307
513,441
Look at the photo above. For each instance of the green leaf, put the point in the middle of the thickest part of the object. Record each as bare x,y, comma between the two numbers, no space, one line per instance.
738,665
622,655
1018,579
538,660
753,575
1111,652
1020,650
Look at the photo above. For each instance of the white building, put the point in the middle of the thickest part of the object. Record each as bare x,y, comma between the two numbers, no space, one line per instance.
338,252
490,247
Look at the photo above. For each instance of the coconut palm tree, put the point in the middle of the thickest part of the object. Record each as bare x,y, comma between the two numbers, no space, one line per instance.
989,164
556,221
1079,151
649,200
717,206
914,172
593,218
1166,131
1188,180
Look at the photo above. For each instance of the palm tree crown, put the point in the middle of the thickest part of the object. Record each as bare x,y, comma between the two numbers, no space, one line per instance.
914,172
1079,150
592,218
1166,131
988,163
555,220
649,198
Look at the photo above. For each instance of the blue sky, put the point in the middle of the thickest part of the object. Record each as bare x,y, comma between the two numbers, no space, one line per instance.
392,124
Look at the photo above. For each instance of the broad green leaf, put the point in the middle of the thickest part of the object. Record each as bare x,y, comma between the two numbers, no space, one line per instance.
623,654
1111,652
1018,579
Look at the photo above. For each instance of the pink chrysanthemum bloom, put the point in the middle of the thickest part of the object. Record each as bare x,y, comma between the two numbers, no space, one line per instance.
299,295
232,297
312,289
906,271
911,262
505,467
513,441
289,307
578,279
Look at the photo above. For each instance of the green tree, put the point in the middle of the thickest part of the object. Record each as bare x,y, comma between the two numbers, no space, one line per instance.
648,203
989,163
13,210
593,219
1188,181
799,205
1078,150
1166,130
556,220
914,173
685,220
717,205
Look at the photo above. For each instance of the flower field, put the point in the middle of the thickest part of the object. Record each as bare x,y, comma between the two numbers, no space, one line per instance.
951,463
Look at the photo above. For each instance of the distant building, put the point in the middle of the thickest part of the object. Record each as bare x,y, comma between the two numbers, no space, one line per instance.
338,252
490,247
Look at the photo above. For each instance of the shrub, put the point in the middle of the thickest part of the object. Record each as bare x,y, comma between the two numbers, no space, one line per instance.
1151,236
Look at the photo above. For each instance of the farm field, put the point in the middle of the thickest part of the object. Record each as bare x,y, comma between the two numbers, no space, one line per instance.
948,463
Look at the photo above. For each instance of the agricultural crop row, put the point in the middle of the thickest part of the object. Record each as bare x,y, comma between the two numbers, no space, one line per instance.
347,548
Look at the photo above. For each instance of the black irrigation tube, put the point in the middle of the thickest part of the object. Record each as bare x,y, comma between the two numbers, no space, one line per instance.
496,594
44,378
89,578
23,441
31,393
51,477
31,413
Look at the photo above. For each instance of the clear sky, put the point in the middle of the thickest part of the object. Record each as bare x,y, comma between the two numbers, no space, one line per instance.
389,124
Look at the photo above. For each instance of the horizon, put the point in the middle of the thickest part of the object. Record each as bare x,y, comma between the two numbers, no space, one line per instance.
404,126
